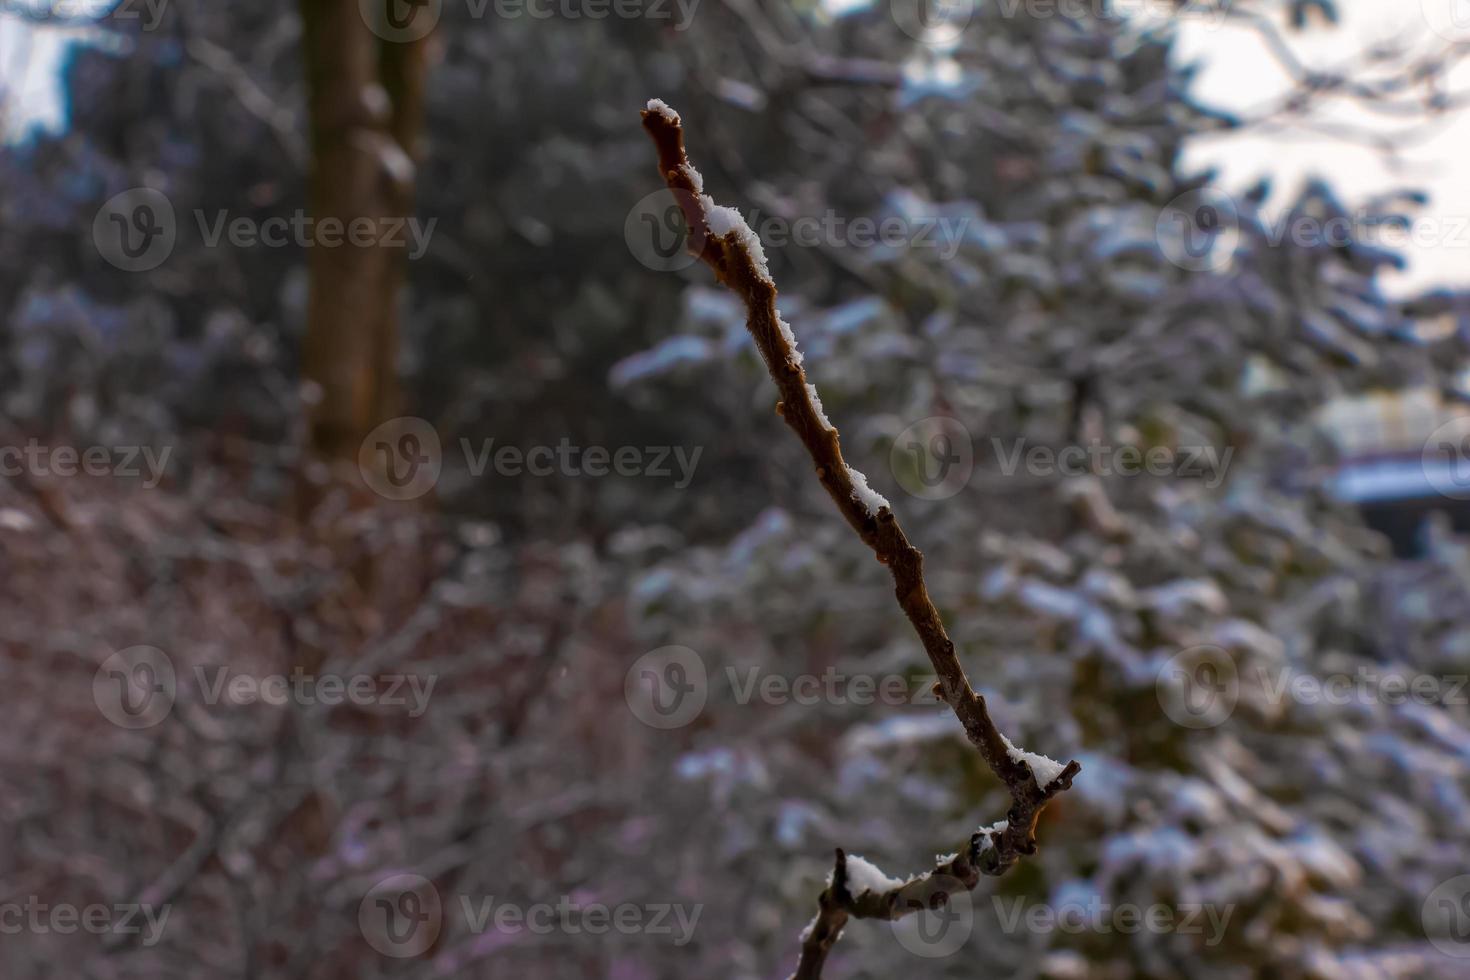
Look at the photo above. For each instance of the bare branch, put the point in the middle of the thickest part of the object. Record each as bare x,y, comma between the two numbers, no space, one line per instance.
734,254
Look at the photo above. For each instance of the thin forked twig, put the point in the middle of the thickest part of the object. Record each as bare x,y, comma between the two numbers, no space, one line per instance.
721,238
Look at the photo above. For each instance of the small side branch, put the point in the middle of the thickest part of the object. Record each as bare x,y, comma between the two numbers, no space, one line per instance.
722,239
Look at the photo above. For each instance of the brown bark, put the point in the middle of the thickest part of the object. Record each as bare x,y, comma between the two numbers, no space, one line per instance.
365,106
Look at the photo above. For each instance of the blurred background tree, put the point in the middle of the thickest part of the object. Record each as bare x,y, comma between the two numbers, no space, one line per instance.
1068,308
365,105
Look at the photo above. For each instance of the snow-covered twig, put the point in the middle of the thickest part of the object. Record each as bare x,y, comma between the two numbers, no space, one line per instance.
720,237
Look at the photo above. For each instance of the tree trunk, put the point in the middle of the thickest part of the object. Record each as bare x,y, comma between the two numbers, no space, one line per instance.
365,105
